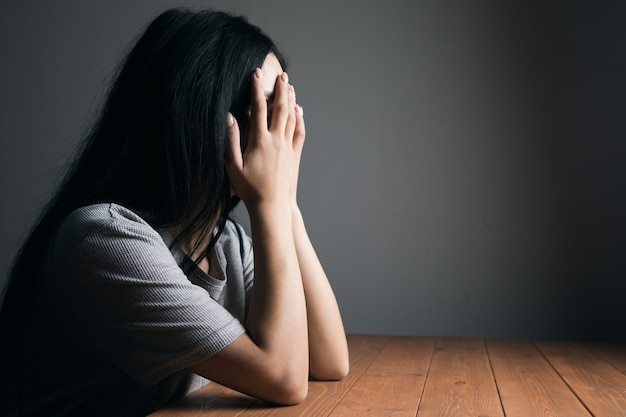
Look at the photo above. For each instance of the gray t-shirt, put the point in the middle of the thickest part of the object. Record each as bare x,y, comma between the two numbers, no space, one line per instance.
118,322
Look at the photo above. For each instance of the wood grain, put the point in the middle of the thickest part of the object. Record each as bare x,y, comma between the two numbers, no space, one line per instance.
528,385
598,384
453,377
392,385
613,353
460,382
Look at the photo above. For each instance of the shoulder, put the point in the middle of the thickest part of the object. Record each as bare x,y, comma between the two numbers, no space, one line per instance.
108,220
97,215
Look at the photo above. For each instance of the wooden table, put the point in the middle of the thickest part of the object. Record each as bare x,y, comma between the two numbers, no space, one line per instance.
442,376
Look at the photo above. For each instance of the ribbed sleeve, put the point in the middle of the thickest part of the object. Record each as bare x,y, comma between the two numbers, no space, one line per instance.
135,307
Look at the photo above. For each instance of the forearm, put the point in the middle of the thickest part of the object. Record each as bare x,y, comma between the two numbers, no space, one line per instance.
277,316
328,351
270,361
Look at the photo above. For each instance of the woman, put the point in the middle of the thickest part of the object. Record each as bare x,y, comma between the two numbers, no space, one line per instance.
135,287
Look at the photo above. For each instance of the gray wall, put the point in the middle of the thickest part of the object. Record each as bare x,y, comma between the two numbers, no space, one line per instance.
464,168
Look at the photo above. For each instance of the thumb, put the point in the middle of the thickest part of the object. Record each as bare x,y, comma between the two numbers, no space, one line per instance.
233,154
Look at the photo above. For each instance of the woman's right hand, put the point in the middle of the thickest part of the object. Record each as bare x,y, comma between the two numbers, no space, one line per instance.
263,172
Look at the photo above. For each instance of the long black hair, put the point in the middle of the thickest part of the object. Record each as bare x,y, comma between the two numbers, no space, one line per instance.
158,146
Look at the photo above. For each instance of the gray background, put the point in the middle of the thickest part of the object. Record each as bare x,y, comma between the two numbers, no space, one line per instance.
464,167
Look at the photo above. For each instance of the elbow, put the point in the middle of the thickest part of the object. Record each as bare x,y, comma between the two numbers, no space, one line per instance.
339,372
335,372
329,362
294,396
287,385
290,393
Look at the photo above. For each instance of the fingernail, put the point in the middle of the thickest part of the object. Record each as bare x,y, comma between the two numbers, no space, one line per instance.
284,77
258,73
230,120
300,110
292,91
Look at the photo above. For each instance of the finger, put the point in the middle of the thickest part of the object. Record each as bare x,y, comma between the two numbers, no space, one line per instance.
300,130
258,104
233,155
290,125
280,111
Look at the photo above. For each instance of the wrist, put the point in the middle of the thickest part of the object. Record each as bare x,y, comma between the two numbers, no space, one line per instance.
269,209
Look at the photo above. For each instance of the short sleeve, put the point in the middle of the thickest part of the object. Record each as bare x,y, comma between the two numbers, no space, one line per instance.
133,303
234,251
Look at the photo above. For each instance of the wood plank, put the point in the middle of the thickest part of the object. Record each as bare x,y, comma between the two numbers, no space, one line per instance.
613,353
217,400
324,396
393,383
210,400
460,382
598,384
528,384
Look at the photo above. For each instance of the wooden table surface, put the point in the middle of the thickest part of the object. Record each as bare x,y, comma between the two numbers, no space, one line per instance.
444,376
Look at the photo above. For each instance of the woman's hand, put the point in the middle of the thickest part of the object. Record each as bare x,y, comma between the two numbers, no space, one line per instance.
267,169
293,324
298,142
271,360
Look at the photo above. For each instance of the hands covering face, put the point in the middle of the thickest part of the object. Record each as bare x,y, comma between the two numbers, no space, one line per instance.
266,170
